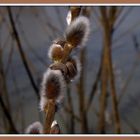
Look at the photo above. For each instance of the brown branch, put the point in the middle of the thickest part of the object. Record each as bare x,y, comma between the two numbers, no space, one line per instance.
50,113
50,108
111,74
104,76
107,71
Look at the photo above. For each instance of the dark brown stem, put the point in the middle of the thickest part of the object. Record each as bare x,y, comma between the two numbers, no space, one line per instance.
111,73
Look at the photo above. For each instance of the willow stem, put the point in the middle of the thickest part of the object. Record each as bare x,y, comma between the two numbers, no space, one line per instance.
50,113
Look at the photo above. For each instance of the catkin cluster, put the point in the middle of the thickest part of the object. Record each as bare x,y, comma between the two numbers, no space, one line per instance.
65,67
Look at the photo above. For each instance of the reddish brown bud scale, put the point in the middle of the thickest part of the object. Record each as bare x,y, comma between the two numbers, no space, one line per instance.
72,71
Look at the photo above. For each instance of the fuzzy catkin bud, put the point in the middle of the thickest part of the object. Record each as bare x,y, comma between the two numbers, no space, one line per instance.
53,87
78,31
56,52
34,128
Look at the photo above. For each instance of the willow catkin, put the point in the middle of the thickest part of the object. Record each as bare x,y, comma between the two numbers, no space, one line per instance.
78,31
53,87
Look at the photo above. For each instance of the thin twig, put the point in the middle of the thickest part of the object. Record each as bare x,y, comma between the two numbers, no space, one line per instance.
104,77
50,113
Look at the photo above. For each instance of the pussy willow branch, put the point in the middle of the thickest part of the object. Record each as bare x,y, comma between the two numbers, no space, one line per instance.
50,109
50,113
